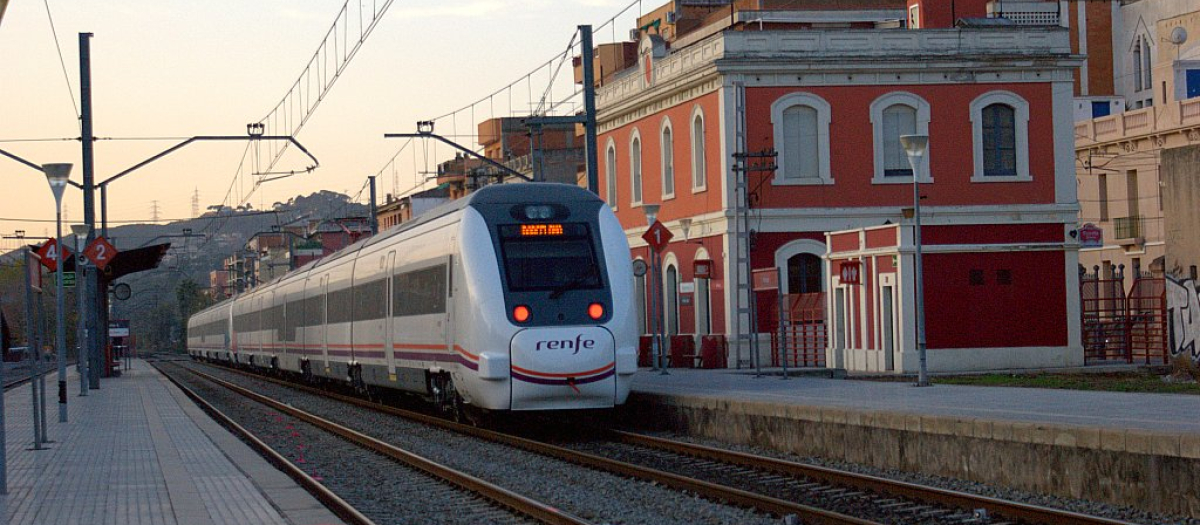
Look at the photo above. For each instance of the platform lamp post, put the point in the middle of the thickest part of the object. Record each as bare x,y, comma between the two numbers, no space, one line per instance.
57,175
915,146
80,231
656,298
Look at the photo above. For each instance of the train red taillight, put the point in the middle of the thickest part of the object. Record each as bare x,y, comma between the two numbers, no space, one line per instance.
596,311
521,313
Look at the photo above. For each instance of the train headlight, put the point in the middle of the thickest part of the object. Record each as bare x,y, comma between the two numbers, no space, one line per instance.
596,311
521,313
539,212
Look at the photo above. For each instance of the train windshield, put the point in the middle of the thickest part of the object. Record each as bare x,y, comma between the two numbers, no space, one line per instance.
549,257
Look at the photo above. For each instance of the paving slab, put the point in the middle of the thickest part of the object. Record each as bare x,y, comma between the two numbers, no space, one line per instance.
137,451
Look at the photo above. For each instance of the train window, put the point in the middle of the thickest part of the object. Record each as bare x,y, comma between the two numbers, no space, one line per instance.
341,306
539,263
419,292
370,300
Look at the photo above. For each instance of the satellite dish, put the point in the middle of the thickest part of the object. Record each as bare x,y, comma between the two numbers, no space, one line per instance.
1178,36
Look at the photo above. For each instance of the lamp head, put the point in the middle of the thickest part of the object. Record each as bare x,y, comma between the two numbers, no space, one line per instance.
57,175
685,224
915,145
651,211
80,230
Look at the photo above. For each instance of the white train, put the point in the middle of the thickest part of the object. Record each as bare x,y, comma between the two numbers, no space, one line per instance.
516,297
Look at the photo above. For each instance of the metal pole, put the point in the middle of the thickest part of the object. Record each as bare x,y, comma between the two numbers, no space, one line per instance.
660,321
653,313
60,319
90,313
374,209
104,210
923,372
43,332
589,108
783,357
82,335
34,348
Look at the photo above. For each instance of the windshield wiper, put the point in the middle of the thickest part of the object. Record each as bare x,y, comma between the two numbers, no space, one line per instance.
573,283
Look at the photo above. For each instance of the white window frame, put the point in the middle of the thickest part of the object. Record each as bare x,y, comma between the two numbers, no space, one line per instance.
699,173
1021,135
610,172
824,119
636,173
663,150
923,116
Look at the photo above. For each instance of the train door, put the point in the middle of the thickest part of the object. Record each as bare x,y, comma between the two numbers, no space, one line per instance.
449,302
389,325
325,322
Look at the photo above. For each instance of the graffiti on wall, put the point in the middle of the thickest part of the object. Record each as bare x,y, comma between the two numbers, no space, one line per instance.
1183,317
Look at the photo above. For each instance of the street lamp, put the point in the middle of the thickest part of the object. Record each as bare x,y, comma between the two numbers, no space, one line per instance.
57,175
915,146
657,339
81,232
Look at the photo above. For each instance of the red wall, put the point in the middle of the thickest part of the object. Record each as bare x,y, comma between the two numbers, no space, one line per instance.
992,234
685,203
943,13
685,254
1031,311
950,162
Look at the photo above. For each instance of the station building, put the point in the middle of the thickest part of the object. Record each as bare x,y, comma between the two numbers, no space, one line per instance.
689,120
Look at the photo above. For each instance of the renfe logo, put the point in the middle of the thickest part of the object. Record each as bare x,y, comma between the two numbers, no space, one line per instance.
577,344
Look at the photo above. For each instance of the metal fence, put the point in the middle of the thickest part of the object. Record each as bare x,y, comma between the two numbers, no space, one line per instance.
801,336
1123,327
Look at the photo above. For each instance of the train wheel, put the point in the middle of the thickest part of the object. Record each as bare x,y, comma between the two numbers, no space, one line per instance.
447,398
306,371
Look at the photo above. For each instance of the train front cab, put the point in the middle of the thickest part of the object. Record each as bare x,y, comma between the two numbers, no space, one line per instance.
566,300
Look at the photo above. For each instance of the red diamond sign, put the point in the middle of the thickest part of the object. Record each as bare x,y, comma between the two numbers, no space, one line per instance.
657,236
100,252
49,254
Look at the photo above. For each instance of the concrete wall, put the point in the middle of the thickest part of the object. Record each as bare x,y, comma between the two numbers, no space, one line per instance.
1180,174
1156,472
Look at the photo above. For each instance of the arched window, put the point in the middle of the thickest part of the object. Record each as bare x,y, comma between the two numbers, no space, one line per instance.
610,174
999,140
1000,137
668,160
642,302
699,180
1147,64
671,299
1137,64
635,169
801,126
892,115
805,274
803,269
898,119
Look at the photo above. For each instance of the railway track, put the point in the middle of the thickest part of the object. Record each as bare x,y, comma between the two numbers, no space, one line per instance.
781,488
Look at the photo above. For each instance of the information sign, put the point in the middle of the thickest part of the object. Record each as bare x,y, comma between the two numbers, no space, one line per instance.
851,272
657,236
100,252
49,254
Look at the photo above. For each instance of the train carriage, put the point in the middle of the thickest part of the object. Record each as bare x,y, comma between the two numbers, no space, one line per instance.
516,297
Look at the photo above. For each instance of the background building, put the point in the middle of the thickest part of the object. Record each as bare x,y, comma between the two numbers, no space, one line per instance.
830,86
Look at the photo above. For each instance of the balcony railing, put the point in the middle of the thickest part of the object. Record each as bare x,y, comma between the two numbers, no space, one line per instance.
1129,227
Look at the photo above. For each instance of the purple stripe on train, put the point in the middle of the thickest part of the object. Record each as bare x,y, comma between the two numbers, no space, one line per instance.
563,382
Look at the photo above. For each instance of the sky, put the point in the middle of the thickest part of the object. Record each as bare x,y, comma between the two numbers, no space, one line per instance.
175,69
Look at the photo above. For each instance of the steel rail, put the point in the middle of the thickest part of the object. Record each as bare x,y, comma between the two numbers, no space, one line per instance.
865,482
336,504
521,504
806,513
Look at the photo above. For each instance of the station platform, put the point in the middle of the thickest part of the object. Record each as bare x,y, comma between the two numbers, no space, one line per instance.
1141,450
138,451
